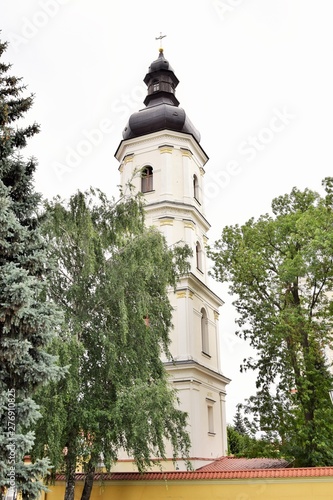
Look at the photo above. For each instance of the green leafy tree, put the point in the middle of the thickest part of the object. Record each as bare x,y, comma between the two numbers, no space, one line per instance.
243,440
244,445
112,282
28,321
280,269
235,441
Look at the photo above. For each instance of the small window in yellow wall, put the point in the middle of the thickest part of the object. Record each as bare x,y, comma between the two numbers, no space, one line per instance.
147,179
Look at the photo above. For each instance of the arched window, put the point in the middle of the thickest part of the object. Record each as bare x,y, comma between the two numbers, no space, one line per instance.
195,187
147,179
204,332
198,255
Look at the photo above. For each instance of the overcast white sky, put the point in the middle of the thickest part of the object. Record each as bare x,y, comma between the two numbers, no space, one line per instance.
255,78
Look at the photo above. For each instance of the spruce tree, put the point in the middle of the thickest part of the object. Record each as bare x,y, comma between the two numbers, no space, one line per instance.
239,424
28,321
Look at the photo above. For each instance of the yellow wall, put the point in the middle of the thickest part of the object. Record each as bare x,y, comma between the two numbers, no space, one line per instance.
282,489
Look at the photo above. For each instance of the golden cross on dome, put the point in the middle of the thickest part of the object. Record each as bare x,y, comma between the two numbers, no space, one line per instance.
160,39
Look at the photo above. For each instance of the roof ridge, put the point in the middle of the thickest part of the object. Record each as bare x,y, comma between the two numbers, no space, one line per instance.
199,475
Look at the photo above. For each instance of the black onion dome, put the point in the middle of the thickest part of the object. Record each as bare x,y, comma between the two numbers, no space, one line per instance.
162,111
158,64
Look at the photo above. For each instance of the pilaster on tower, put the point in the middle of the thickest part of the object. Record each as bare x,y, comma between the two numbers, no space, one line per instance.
162,157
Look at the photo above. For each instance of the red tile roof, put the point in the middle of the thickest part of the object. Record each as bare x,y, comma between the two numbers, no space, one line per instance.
231,463
202,475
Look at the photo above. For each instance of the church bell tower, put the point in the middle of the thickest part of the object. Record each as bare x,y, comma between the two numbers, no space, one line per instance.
161,155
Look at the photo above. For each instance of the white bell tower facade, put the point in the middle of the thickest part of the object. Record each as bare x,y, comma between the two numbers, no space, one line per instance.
161,155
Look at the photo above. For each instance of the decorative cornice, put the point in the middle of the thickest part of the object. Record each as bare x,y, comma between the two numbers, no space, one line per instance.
185,210
128,158
184,293
189,364
189,224
191,281
179,139
186,152
166,221
166,148
186,155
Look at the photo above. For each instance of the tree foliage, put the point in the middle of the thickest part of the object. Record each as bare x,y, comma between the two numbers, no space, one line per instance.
243,445
28,321
280,269
112,280
243,440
